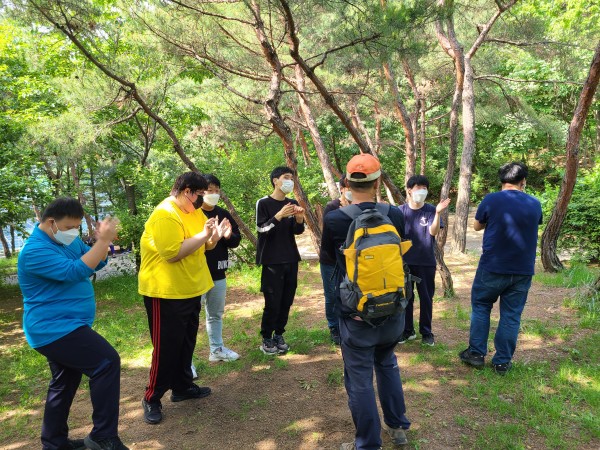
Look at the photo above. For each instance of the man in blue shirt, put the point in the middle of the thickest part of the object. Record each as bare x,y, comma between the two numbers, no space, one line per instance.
510,219
422,223
54,270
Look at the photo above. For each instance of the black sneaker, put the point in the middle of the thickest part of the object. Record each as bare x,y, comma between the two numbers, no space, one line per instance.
472,359
113,443
502,369
74,444
282,347
269,347
407,336
194,391
428,340
152,412
334,333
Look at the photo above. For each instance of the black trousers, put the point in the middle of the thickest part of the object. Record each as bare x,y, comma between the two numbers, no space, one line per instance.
83,351
278,284
426,290
173,328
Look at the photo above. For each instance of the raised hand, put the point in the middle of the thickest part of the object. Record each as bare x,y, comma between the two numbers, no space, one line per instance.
106,230
442,205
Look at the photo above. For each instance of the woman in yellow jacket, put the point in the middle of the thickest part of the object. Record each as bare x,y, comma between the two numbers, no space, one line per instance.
173,276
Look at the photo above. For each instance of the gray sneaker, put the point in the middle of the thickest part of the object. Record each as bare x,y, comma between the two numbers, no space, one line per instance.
282,347
269,347
398,435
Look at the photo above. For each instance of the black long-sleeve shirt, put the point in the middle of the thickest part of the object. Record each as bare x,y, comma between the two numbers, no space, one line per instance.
335,230
276,241
325,257
217,259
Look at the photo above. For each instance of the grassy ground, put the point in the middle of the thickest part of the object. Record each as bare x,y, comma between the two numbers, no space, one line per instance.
549,401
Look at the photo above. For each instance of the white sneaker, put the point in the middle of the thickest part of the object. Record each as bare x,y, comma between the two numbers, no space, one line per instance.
223,354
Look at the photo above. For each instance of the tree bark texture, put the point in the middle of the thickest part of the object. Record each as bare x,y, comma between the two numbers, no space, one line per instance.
81,197
550,235
403,117
459,234
5,246
315,134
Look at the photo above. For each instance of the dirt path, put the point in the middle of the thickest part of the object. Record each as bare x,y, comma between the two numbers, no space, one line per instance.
298,402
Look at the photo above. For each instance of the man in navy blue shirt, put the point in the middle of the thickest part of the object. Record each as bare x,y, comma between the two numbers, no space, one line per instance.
422,223
366,348
510,219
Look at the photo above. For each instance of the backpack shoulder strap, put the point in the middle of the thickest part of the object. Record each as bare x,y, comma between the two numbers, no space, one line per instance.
352,211
383,208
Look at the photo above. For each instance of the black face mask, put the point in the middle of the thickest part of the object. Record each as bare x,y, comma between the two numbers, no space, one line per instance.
198,203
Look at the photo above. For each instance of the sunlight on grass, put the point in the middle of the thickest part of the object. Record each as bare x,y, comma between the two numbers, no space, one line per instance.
575,276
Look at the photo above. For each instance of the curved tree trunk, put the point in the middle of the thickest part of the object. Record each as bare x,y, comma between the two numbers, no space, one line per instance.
315,134
5,246
271,106
550,235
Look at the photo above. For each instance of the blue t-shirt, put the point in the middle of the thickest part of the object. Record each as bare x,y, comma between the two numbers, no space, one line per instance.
510,237
417,223
58,296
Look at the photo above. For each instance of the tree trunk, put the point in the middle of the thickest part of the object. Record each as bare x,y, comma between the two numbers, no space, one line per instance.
459,235
271,107
5,246
550,235
303,145
452,47
12,239
81,197
93,186
315,134
445,275
403,117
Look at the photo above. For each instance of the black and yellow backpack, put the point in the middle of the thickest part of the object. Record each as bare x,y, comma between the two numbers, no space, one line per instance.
376,278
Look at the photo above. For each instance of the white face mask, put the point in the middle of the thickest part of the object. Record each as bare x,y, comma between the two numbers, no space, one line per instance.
348,195
287,186
65,237
419,196
211,199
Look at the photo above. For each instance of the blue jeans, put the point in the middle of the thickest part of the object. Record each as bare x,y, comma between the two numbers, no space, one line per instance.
512,290
214,306
365,348
327,271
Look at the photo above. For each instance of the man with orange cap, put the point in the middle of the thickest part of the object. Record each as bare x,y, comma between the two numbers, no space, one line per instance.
364,347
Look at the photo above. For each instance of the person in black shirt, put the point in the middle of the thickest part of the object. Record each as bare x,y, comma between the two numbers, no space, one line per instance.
327,266
366,348
217,259
278,220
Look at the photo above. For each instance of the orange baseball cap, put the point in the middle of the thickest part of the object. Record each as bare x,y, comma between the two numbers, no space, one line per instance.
365,164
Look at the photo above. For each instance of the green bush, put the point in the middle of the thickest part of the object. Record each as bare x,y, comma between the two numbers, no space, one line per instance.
580,231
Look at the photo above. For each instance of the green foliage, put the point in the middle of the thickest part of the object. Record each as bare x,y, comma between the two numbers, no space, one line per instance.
580,231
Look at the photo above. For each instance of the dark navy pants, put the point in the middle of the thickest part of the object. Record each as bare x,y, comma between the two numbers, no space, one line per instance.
278,284
173,329
365,348
329,292
426,289
512,289
83,351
